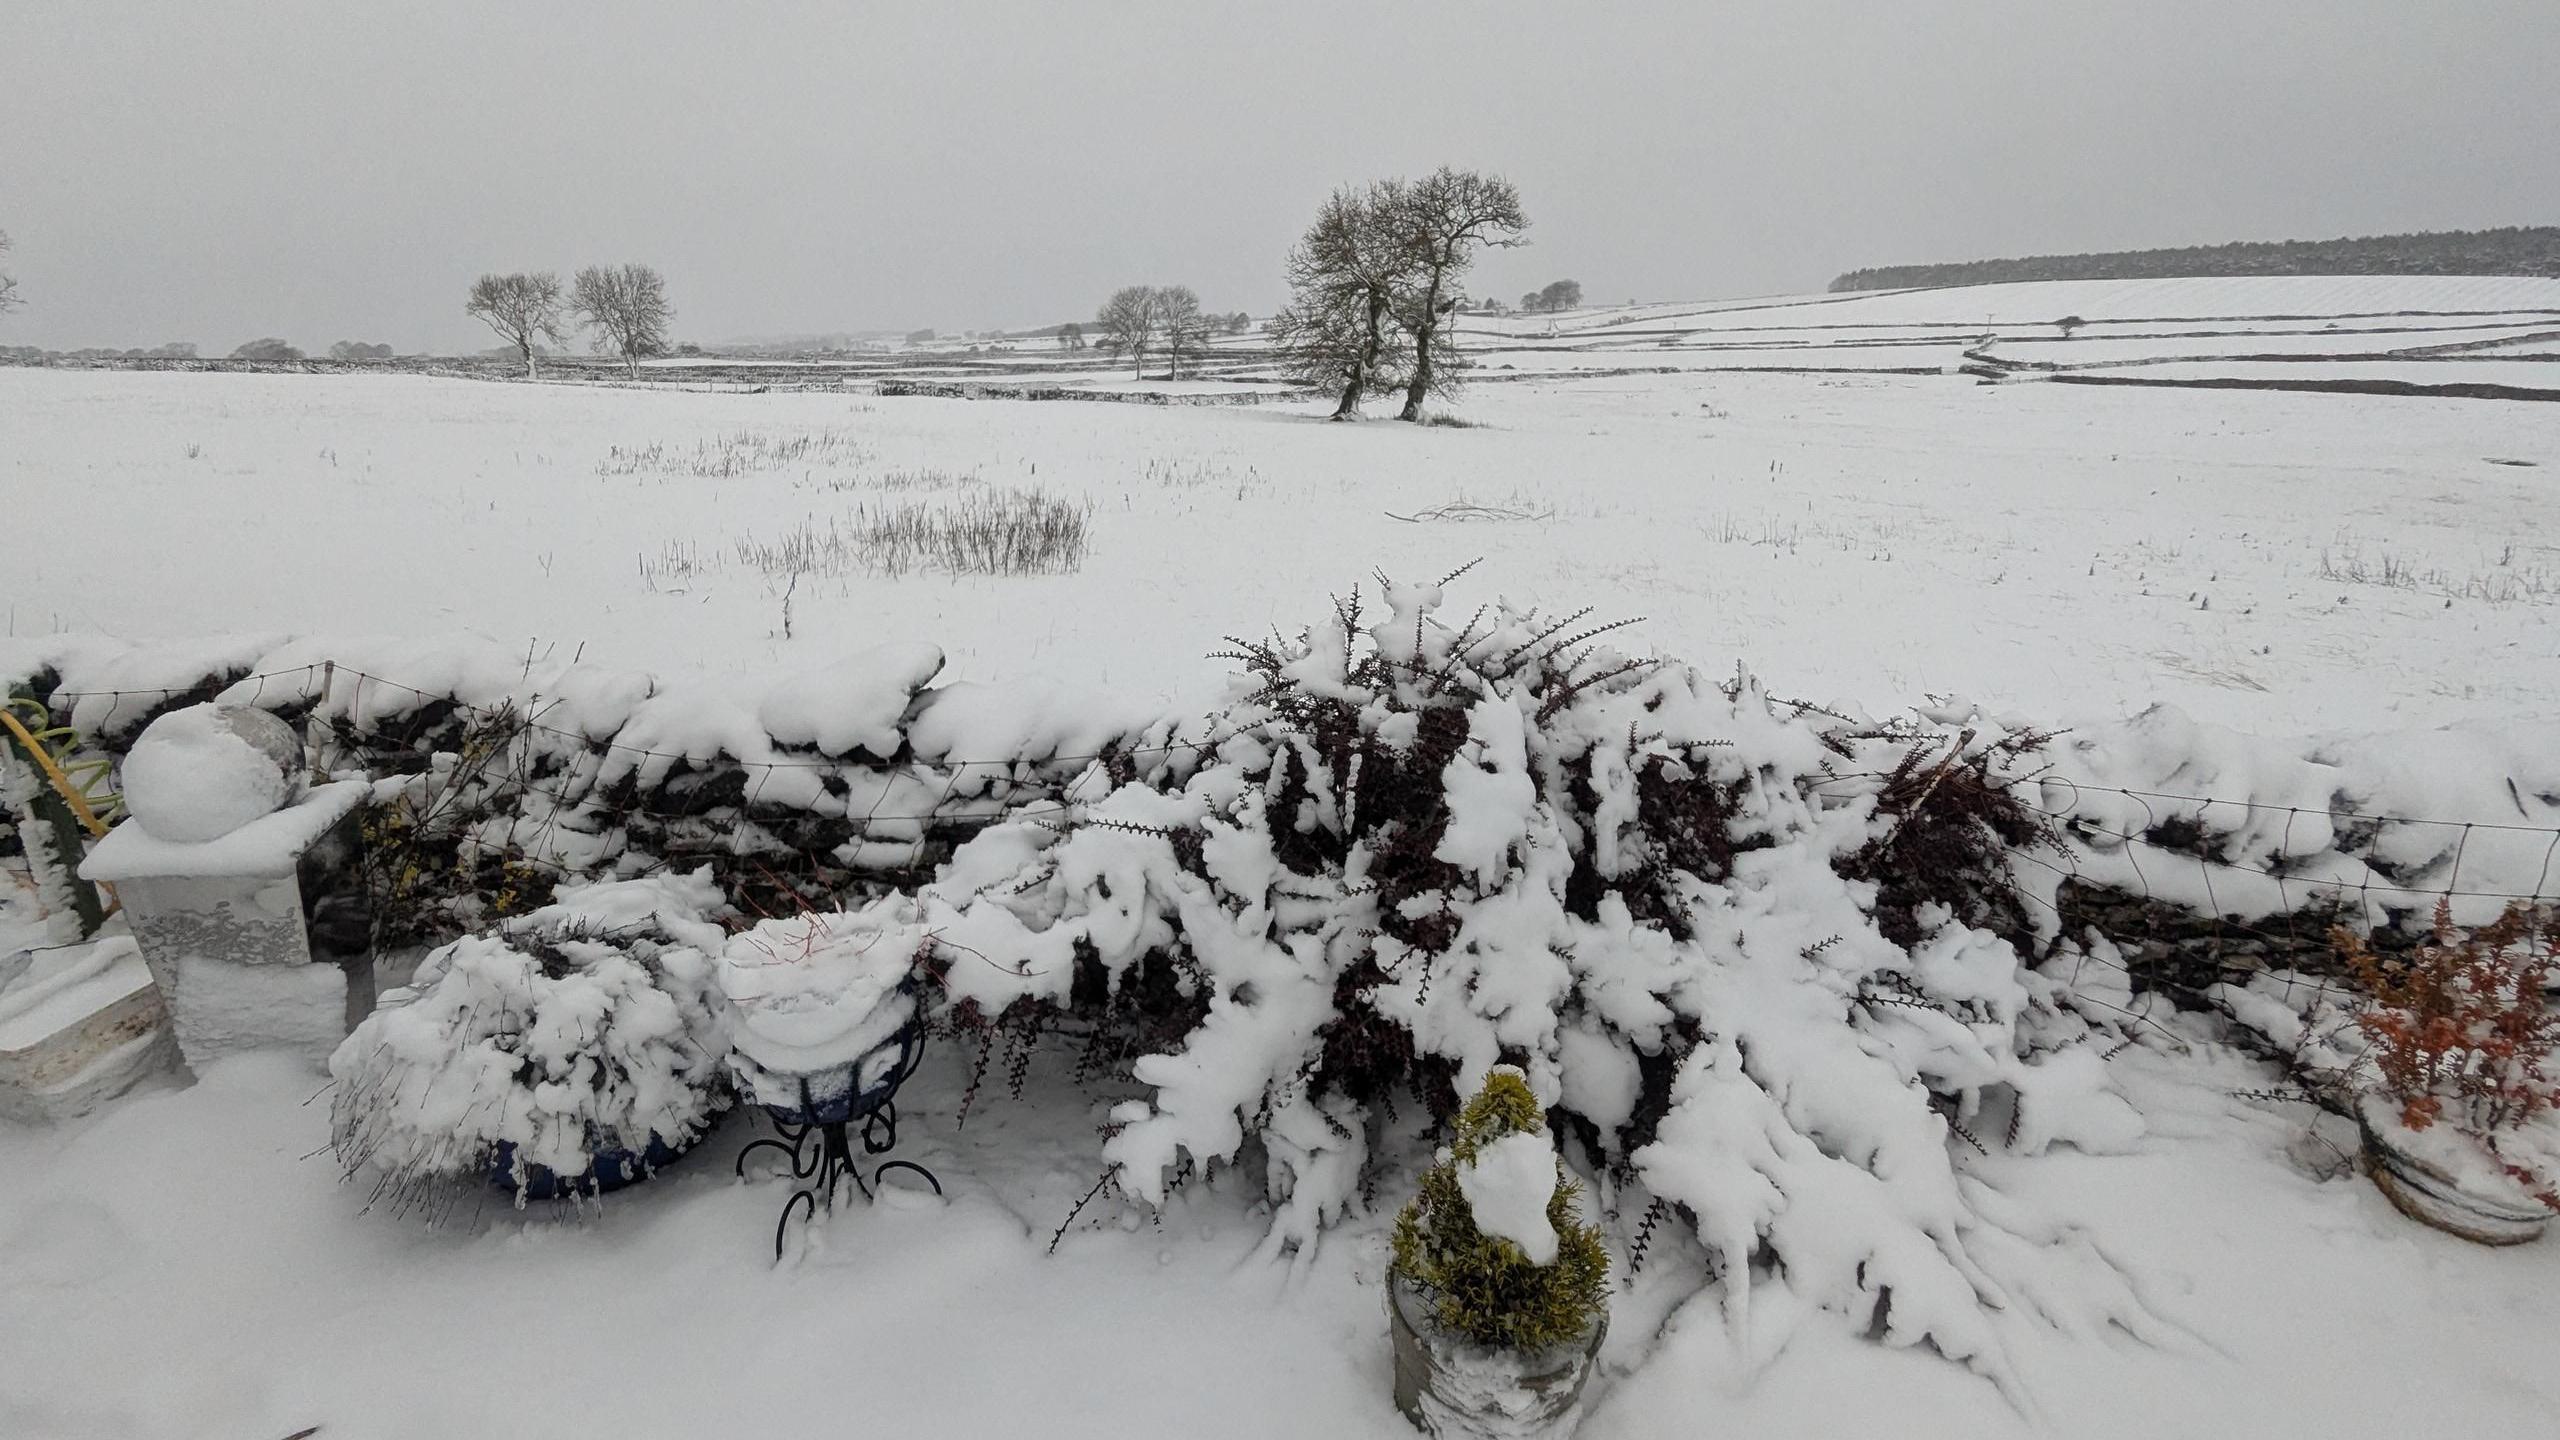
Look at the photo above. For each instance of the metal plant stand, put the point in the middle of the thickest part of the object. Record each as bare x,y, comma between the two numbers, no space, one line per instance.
813,1134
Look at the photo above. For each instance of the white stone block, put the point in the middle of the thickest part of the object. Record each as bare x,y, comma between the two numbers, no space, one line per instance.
222,1007
78,1030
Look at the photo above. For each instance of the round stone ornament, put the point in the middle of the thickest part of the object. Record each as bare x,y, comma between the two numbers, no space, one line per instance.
200,773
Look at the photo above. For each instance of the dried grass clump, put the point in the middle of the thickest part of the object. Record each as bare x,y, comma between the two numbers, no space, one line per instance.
994,532
988,532
744,452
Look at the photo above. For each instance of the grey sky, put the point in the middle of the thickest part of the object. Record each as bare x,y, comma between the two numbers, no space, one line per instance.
209,171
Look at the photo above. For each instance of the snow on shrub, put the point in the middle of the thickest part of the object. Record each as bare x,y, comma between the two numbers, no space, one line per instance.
1410,851
2463,1030
584,1028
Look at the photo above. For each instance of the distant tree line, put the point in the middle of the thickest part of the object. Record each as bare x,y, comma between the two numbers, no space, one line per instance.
266,349
30,354
1562,295
274,350
2515,250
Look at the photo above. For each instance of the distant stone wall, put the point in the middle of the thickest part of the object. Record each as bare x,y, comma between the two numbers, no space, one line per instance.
947,390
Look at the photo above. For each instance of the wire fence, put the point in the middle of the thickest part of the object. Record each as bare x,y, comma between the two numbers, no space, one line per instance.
2198,954
687,803
531,721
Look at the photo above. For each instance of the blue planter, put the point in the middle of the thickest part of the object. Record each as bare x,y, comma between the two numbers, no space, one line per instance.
609,1170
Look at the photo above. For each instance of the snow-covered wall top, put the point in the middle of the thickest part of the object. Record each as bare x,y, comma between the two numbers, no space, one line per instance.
2253,826
801,781
875,701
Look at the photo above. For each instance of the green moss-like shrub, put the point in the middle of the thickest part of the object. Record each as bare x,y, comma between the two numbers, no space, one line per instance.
1481,1287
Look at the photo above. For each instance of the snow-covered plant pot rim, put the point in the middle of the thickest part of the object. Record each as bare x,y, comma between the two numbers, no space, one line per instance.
814,993
839,1091
2444,1177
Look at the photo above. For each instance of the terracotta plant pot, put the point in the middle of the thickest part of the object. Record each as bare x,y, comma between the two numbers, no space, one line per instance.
2424,1192
1454,1389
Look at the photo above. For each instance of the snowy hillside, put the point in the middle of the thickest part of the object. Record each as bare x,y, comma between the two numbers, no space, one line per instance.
2043,301
2438,330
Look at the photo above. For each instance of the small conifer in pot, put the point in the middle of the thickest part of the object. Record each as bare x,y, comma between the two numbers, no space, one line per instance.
1498,1292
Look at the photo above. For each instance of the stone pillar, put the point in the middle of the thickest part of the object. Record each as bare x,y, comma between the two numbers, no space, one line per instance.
219,913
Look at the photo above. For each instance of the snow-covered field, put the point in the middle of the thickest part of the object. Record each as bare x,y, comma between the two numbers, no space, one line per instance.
187,1264
2280,563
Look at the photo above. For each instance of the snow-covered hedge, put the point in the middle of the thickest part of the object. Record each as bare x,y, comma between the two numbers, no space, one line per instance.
1415,850
1776,968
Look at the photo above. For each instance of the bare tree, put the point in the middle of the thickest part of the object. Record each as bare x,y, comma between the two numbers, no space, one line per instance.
269,349
1184,328
358,350
625,306
1071,336
1444,218
1343,279
9,297
1333,348
521,308
1128,322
